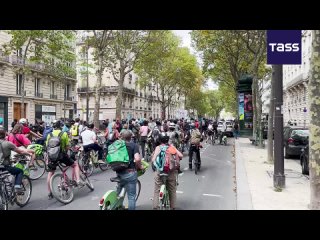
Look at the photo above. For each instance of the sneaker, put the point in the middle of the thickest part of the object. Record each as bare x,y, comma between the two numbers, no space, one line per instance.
50,196
101,161
18,188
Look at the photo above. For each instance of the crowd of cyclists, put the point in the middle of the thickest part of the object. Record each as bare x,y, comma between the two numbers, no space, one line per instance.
144,134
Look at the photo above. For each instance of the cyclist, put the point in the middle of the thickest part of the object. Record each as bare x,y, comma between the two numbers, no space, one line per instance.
129,176
21,141
5,152
210,130
171,180
144,130
195,138
174,135
26,130
64,157
89,141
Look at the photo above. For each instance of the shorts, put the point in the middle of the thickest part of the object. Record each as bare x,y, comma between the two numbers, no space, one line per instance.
65,159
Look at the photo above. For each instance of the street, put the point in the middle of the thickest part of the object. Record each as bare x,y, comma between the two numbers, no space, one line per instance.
212,189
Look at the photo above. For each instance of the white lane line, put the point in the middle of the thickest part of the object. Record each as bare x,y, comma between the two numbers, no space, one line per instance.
179,192
211,195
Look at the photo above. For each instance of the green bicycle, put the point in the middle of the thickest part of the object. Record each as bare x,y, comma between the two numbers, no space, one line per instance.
164,200
113,201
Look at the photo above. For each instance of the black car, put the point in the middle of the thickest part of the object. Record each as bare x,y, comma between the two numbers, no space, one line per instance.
304,160
295,138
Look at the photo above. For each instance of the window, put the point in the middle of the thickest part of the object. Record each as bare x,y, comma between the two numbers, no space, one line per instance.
67,91
18,84
52,88
37,86
19,52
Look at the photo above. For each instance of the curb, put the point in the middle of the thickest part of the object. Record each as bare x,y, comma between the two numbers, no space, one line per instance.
244,201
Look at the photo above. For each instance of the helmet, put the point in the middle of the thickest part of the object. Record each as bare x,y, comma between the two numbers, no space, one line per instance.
164,138
172,125
23,121
158,123
37,148
91,125
56,124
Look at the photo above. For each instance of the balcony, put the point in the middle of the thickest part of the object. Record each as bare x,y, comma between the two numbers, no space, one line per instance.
53,96
39,95
106,89
4,58
68,98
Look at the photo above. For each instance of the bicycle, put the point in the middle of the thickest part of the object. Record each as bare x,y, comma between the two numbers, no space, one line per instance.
164,199
211,137
89,160
111,200
7,191
63,190
195,159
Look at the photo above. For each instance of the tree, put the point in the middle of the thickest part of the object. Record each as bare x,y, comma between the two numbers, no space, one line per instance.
172,70
38,46
216,103
126,48
314,113
100,41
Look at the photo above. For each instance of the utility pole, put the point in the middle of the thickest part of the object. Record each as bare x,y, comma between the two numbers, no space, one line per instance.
278,177
87,112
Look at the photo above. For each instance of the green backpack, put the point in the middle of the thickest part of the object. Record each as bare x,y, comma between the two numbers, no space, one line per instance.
118,157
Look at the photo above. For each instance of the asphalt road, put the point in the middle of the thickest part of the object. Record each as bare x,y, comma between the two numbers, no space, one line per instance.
213,188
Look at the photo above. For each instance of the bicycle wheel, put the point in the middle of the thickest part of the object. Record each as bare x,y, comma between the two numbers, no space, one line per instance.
85,165
167,202
3,199
138,189
61,189
195,161
86,180
23,198
38,169
104,166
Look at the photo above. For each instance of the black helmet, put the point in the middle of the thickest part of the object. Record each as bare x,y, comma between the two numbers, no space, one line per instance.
158,123
56,124
164,138
91,125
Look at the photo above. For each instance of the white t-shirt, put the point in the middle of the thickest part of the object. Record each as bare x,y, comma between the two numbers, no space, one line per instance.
88,137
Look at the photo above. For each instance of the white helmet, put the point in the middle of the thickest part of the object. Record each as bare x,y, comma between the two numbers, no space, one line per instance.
23,121
172,125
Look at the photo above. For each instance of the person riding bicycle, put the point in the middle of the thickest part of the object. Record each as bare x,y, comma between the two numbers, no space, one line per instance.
5,152
195,138
174,135
210,130
63,156
223,132
26,130
144,130
75,131
171,180
128,177
89,141
155,134
21,141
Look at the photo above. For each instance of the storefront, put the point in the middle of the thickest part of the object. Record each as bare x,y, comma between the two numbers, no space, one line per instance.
45,113
4,112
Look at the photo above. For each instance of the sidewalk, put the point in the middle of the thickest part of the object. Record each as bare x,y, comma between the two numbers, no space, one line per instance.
255,181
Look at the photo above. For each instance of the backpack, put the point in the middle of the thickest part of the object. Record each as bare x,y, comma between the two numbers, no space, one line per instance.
165,161
74,130
54,148
118,157
195,136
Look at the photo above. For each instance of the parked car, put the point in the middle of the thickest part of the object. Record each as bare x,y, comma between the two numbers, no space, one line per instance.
304,160
295,138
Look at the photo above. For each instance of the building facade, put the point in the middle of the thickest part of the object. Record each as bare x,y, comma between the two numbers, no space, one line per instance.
295,86
46,97
136,102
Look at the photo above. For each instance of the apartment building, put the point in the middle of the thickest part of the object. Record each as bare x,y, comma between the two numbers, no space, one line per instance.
136,102
295,85
46,97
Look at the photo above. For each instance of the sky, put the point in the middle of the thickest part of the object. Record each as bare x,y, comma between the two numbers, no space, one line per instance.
186,42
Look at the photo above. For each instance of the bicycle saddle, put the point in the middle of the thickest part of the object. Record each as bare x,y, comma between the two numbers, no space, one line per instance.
115,179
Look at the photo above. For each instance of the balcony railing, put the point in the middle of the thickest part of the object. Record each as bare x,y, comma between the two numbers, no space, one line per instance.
20,93
107,89
53,96
41,67
68,98
39,95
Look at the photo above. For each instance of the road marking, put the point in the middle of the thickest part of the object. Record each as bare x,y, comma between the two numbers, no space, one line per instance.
94,198
211,195
179,192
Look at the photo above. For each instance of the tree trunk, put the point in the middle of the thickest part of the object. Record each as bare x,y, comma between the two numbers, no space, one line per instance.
22,95
99,74
314,113
254,104
120,94
270,122
259,114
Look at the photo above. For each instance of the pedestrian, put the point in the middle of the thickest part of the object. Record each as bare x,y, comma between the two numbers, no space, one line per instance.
236,129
